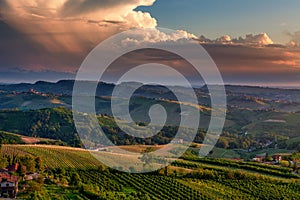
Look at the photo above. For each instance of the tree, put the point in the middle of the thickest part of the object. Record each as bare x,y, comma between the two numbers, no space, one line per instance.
295,166
39,164
101,168
223,143
75,179
3,162
29,162
166,171
21,170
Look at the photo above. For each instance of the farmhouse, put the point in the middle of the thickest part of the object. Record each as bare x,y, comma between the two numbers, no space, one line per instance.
8,185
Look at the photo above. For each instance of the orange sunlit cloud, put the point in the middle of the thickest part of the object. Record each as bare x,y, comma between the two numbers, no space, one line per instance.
56,35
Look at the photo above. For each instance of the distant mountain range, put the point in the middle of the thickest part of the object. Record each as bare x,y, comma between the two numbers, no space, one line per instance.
65,87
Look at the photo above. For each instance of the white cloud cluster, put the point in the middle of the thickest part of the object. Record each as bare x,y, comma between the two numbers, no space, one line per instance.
156,36
250,39
140,20
226,39
260,39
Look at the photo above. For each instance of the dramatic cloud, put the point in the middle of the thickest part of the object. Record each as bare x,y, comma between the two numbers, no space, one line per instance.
48,40
58,34
65,25
250,39
120,10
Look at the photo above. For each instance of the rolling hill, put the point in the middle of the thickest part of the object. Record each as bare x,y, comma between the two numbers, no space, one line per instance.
188,178
256,116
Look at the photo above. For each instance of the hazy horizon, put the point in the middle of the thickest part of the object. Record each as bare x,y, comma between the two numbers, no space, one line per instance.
49,41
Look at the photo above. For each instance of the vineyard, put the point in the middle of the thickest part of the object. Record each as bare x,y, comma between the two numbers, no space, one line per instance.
250,167
210,185
187,178
54,156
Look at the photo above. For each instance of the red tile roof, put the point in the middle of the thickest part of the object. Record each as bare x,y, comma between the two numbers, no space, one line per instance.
8,177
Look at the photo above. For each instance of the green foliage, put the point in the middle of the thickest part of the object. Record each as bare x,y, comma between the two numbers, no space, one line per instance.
9,138
75,180
21,170
28,162
39,164
249,166
35,195
3,162
56,123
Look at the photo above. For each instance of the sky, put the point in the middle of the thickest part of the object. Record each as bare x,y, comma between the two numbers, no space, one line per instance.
252,42
236,18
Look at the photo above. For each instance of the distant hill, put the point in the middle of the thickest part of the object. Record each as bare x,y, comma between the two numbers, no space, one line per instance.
65,87
13,138
55,124
256,115
10,138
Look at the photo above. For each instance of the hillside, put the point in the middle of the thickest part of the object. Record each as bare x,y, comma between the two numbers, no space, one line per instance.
61,157
74,173
256,117
47,123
